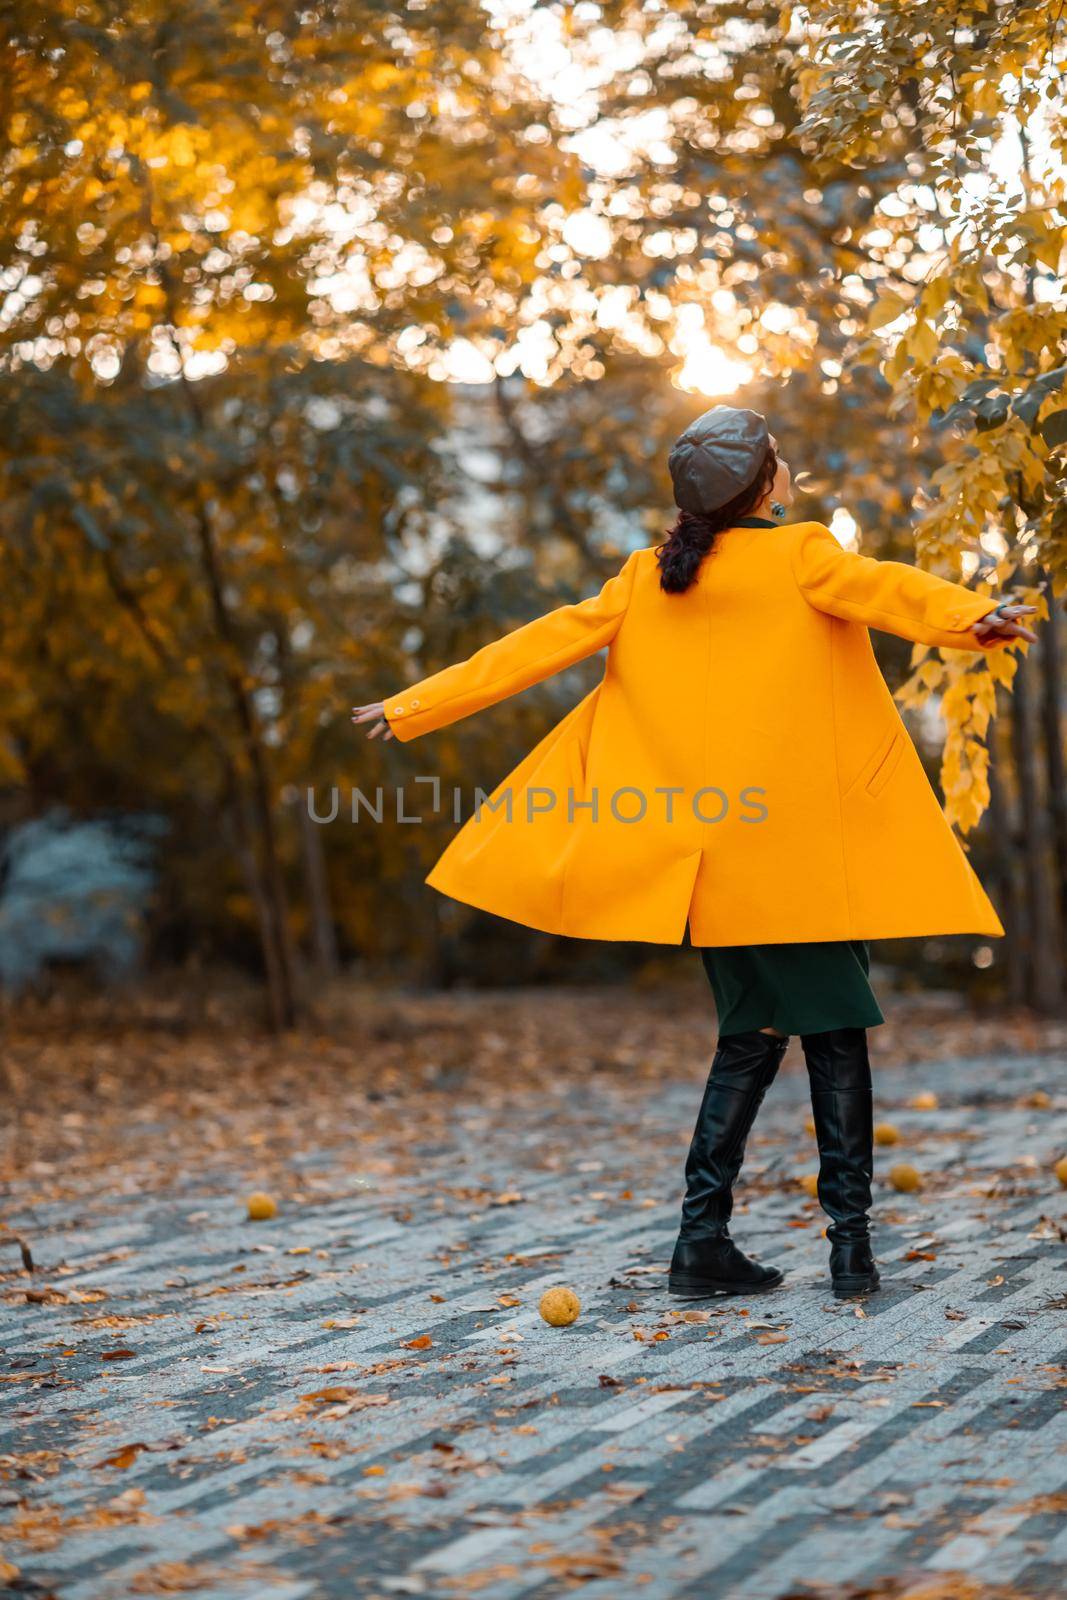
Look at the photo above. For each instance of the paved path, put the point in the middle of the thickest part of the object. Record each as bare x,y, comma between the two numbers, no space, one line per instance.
359,1397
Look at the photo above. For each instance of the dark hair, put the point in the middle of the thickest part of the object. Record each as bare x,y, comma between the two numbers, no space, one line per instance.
691,538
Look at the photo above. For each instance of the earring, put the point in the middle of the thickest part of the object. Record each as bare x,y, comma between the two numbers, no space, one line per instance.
777,508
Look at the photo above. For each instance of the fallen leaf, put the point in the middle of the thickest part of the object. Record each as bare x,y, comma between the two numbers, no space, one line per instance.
122,1458
169,1577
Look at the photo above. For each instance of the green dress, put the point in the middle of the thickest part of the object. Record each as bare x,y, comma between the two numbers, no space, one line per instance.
794,988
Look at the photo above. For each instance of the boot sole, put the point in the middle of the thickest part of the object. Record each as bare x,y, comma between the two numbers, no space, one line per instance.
845,1290
701,1288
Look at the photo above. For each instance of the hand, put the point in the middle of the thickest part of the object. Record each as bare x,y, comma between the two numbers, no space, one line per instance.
1001,624
375,713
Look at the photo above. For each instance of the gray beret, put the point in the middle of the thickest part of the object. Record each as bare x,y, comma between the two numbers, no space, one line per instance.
716,457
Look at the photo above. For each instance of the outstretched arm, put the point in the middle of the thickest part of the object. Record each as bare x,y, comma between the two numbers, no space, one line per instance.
521,658
897,598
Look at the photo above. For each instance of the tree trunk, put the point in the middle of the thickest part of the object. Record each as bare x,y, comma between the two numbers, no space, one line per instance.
278,959
278,991
259,825
316,880
1005,870
272,926
1044,971
1052,685
323,937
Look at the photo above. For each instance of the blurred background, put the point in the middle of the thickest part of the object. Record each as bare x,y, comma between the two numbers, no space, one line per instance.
337,341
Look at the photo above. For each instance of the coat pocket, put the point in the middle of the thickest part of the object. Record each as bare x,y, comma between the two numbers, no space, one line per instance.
877,769
885,766
577,758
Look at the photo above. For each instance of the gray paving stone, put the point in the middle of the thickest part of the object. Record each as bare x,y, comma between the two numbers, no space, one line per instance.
784,1439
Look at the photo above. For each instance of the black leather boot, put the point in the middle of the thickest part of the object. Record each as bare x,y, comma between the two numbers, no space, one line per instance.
842,1105
706,1260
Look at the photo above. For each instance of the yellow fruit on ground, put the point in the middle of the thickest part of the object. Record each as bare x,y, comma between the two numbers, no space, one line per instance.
810,1124
885,1133
261,1207
560,1307
810,1183
905,1177
925,1100
1040,1098
1060,1169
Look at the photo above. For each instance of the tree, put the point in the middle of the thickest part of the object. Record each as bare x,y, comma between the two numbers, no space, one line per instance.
974,345
245,248
193,206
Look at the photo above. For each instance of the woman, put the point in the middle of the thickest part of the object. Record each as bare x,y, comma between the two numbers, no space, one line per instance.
740,772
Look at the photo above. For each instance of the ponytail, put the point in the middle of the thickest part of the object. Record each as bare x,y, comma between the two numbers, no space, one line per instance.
693,534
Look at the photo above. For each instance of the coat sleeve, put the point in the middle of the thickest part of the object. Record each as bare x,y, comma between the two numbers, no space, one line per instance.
524,657
889,595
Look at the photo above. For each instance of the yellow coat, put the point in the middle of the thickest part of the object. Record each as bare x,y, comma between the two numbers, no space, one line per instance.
741,765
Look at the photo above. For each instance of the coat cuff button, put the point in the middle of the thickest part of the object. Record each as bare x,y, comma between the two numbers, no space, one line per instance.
414,703
397,711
